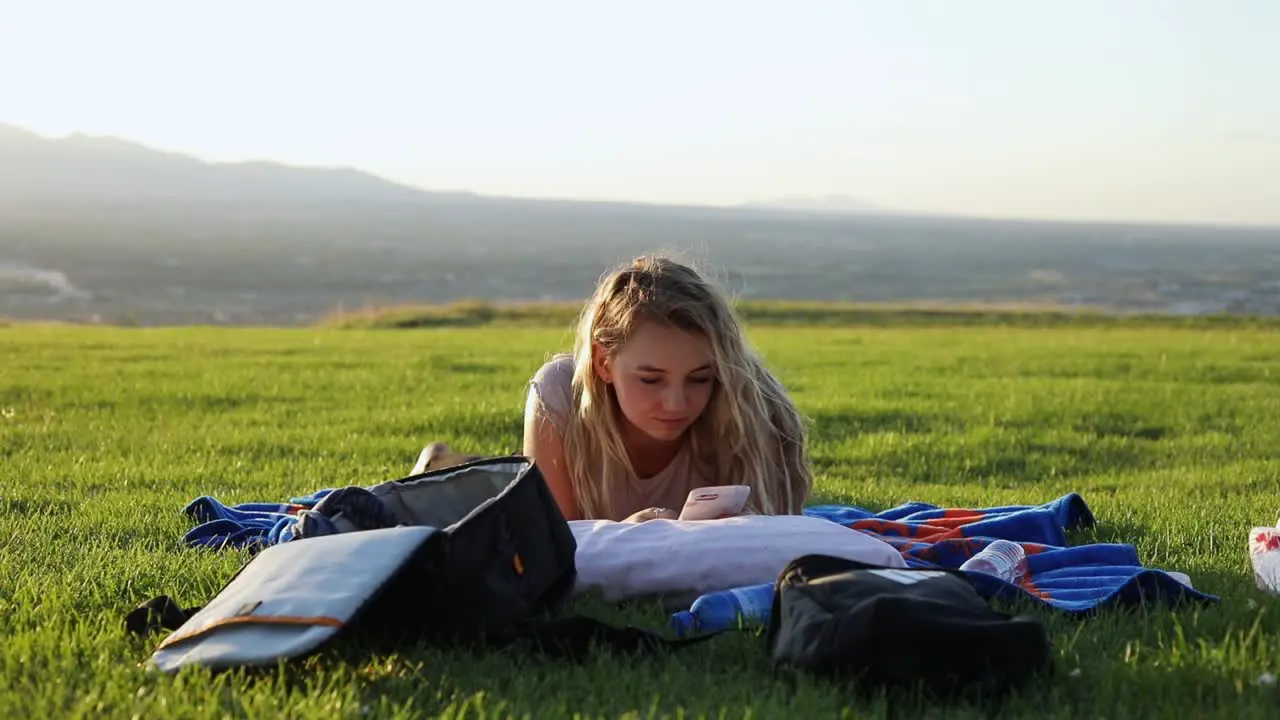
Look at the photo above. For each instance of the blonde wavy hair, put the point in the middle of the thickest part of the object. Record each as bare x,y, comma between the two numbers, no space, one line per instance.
750,432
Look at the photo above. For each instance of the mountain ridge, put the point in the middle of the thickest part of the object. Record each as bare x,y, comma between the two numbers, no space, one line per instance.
84,168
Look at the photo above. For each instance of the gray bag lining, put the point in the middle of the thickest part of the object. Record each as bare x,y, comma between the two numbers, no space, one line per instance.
445,500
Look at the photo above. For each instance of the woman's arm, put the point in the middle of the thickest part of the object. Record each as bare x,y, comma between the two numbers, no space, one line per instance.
544,443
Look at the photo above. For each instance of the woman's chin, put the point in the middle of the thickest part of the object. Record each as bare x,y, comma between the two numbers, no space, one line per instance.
664,432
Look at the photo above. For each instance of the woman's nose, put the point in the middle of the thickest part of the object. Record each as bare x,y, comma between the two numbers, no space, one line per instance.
673,400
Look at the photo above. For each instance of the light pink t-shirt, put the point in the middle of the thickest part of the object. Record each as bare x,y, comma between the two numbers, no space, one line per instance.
553,384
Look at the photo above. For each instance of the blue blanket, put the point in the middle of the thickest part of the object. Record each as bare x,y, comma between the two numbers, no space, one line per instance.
247,525
1073,580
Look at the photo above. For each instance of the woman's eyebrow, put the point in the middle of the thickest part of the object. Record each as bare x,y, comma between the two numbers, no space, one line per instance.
651,368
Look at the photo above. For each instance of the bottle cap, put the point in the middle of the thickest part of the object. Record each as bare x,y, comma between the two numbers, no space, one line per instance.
683,622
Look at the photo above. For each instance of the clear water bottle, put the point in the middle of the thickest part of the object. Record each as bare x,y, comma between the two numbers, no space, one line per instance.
1264,553
724,610
1002,558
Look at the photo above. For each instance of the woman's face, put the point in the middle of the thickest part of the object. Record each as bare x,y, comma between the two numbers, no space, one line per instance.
663,378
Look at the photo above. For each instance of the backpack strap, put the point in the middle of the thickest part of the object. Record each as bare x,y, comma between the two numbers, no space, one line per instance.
159,613
573,638
570,638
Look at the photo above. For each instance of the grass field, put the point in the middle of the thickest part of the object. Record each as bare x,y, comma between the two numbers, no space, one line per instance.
1171,434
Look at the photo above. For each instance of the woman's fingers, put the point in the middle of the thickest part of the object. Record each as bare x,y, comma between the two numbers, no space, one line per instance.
653,513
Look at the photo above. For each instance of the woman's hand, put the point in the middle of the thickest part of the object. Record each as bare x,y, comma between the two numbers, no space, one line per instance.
652,514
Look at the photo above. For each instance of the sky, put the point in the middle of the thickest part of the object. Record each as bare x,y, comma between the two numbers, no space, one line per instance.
1164,110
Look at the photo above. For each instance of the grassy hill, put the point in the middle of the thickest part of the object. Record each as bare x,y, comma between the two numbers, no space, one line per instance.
1172,434
479,313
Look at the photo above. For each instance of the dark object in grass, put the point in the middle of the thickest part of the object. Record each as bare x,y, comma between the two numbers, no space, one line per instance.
900,628
159,613
575,638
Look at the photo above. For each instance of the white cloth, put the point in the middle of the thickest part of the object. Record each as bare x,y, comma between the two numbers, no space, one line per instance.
688,558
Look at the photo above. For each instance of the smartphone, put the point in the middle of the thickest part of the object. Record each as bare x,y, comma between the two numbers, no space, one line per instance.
715,502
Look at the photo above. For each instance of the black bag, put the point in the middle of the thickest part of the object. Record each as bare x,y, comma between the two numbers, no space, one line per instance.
477,553
899,627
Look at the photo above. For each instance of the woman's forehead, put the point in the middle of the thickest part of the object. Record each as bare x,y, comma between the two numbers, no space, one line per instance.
662,347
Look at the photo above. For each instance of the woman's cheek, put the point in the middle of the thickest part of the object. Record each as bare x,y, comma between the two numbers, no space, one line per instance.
636,395
703,394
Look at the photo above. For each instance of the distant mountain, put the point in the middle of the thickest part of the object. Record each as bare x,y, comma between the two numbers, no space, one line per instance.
81,168
823,204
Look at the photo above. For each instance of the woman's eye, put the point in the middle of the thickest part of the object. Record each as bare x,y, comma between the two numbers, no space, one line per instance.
700,380
650,380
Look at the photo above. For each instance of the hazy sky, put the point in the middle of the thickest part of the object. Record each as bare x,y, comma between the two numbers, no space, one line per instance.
1127,109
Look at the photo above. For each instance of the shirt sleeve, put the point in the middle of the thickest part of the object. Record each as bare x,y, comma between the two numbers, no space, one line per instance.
553,389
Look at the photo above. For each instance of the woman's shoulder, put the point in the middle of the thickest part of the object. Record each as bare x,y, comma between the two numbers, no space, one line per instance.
553,386
558,371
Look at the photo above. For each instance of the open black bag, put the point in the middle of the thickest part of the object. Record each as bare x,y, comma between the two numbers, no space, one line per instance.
893,627
477,554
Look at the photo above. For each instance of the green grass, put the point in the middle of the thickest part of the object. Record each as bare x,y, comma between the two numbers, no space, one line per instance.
1171,434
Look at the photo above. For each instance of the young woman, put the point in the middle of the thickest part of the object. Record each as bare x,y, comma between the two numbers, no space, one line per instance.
662,395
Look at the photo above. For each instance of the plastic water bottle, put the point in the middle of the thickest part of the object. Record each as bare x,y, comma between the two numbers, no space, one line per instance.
1002,558
1264,553
725,609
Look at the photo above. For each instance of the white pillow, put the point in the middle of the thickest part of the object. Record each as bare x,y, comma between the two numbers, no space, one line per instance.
692,557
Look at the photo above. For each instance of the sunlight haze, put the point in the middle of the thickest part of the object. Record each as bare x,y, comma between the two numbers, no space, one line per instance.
1165,111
